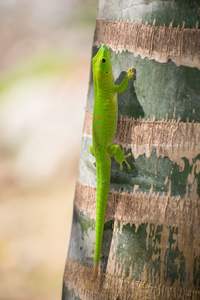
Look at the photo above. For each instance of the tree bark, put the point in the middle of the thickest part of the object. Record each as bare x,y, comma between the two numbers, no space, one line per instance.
151,243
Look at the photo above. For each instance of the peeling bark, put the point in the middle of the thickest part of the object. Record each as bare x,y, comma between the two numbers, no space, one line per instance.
161,43
170,138
115,287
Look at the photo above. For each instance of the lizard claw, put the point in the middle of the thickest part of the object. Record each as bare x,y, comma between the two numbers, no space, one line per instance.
130,72
129,167
128,155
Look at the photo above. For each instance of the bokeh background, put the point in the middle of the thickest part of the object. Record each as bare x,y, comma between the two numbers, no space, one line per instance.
45,52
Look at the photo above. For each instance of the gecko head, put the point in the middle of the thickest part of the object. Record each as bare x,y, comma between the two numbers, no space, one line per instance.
101,62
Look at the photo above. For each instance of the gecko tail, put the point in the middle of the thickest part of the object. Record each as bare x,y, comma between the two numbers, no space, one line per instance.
96,265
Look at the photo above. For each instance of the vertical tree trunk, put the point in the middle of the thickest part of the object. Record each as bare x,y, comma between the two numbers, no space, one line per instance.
151,244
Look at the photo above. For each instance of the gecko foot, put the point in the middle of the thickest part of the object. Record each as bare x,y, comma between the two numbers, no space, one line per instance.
124,160
130,73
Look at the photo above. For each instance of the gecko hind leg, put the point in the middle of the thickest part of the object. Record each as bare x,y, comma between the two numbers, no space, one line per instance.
118,153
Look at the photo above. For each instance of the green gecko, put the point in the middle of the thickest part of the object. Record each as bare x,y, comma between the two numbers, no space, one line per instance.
104,126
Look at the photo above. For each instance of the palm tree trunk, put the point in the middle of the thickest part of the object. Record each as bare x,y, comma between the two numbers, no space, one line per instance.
151,243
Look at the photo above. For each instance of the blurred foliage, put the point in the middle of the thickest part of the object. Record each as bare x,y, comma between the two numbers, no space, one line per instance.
42,64
84,14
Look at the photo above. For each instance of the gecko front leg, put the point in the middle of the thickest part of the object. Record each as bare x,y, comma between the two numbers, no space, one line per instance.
123,85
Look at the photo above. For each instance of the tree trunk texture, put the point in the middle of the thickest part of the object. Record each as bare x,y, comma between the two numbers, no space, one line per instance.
151,243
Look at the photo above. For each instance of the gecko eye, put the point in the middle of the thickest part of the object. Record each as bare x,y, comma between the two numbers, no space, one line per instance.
103,60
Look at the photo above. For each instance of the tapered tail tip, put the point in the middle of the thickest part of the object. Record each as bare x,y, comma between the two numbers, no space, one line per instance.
96,265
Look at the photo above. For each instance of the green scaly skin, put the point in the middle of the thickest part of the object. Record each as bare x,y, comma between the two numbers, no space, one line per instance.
103,133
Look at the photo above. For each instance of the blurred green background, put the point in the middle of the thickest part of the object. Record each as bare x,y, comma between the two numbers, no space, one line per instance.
45,52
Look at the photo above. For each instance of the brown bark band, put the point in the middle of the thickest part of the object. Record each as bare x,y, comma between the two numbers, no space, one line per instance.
138,207
78,278
181,45
173,139
160,211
